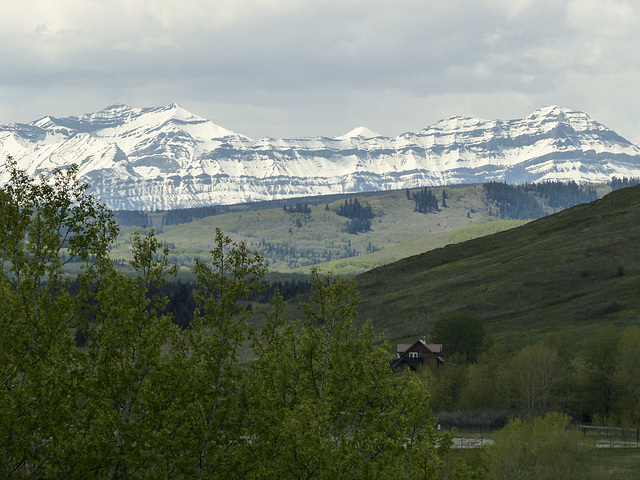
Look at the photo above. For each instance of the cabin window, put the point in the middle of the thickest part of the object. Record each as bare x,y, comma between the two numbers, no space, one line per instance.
413,354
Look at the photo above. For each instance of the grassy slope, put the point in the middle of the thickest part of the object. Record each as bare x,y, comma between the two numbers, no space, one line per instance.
577,269
397,230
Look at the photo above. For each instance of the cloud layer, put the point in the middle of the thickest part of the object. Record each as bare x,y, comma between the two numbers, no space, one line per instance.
301,68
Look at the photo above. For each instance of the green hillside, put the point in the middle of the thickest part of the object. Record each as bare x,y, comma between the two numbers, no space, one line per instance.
574,270
292,242
295,241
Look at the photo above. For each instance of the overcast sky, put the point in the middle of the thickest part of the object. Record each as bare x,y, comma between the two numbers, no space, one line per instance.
285,68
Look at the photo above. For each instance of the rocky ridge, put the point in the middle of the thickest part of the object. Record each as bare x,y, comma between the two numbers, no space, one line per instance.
166,157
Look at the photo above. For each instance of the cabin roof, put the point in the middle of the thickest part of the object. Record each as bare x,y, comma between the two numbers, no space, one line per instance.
433,347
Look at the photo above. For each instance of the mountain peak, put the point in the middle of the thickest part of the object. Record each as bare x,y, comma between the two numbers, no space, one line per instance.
454,123
362,132
166,157
555,111
44,122
115,109
174,110
180,113
117,106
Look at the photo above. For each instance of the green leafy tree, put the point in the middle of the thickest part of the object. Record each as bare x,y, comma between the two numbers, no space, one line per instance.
445,384
539,448
128,380
142,398
601,357
42,221
214,410
488,386
461,333
627,378
328,406
536,375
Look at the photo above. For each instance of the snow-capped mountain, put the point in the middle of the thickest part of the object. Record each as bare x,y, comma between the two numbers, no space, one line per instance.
167,157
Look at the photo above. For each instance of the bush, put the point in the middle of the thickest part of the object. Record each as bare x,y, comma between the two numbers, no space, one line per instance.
537,449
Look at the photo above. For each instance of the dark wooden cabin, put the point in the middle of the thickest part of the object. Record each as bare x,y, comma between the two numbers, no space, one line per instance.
414,355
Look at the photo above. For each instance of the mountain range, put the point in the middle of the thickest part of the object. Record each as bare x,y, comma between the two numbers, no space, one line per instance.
162,158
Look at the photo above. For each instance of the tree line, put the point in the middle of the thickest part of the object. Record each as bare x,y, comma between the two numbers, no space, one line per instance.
624,182
531,200
597,383
295,256
178,216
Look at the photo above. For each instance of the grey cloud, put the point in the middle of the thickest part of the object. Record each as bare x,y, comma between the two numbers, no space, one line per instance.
298,65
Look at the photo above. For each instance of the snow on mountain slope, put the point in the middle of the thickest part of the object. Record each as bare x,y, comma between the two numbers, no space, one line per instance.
167,157
363,132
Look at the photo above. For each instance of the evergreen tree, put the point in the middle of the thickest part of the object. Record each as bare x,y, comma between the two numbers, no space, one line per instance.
425,201
528,201
624,182
360,215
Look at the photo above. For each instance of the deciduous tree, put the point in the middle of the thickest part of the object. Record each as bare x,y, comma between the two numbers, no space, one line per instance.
44,223
328,406
538,448
461,333
141,398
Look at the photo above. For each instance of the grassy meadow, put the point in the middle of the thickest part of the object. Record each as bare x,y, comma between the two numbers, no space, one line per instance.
320,237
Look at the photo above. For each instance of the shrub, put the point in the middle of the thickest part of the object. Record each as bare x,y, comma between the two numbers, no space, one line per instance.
538,449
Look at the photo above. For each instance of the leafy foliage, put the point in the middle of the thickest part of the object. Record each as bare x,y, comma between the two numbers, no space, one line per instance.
143,398
332,404
538,448
40,220
462,333
595,383
536,375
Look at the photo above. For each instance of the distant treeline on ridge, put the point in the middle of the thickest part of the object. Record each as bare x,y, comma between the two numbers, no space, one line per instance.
535,200
531,200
